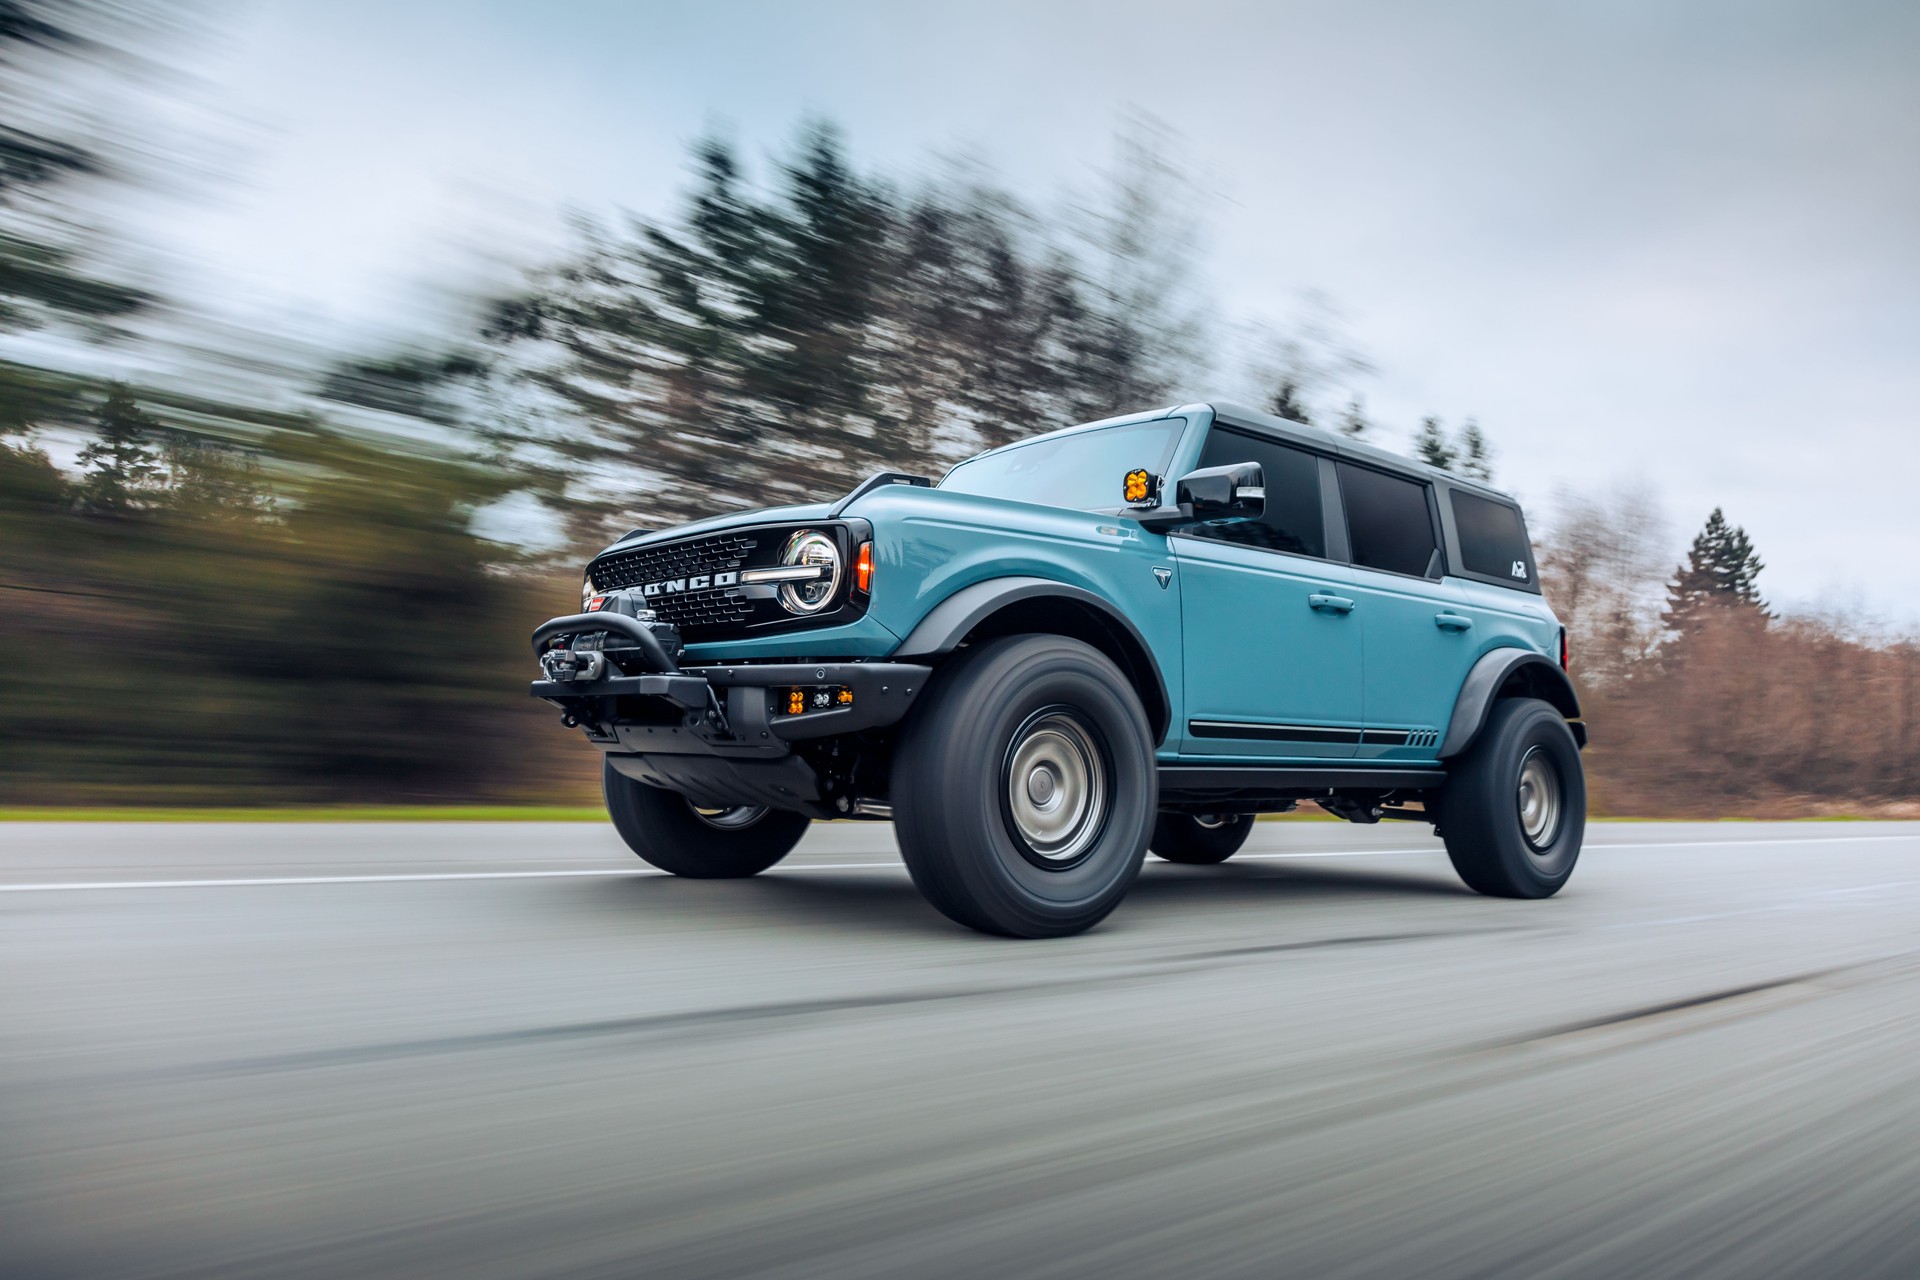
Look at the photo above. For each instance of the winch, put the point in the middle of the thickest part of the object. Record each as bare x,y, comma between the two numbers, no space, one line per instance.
629,603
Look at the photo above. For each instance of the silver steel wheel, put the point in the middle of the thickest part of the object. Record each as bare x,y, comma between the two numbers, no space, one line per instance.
1538,798
733,819
1056,787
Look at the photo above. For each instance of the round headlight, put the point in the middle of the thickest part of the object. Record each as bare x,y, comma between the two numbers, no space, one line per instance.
812,549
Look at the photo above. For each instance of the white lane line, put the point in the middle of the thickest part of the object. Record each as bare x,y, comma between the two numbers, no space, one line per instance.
1749,844
396,878
73,886
1335,853
1816,898
407,877
1594,844
1865,888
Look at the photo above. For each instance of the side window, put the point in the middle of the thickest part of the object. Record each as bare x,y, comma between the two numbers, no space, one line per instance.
1292,521
1387,521
1493,543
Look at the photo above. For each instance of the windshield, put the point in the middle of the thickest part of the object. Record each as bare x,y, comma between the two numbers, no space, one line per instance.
1086,470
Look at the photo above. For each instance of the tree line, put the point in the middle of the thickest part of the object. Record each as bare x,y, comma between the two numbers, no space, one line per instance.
1699,698
210,600
778,338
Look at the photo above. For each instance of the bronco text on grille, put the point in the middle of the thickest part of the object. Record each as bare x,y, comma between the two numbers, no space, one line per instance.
667,574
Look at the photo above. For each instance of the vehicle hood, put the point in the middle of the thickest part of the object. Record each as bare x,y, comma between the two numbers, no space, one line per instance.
948,506
799,514
891,502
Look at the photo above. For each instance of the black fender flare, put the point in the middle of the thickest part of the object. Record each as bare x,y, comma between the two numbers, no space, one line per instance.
953,619
1541,677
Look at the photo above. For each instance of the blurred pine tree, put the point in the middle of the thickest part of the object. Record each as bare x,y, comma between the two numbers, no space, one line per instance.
1722,570
1432,447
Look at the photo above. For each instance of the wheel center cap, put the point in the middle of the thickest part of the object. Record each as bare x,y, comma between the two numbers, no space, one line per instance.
1041,786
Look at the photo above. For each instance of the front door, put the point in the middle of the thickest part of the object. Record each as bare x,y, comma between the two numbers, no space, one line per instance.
1272,642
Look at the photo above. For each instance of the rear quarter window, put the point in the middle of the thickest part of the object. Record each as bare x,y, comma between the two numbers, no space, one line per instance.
1493,541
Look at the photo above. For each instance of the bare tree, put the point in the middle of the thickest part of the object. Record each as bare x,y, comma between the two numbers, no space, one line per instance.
1603,562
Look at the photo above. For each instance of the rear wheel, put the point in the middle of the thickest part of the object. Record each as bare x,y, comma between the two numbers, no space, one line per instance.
1023,790
667,830
1515,809
1200,838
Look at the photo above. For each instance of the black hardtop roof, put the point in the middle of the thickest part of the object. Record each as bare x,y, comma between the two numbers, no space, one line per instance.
1238,415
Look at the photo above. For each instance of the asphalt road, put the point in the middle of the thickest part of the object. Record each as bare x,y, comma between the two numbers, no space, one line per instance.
497,1050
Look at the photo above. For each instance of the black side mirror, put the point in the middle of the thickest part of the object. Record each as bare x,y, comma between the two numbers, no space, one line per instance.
1238,489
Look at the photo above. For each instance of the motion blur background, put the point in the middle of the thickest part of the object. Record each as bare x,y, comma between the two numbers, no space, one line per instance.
334,336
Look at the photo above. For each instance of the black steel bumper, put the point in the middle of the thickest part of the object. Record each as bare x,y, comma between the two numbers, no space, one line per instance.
737,710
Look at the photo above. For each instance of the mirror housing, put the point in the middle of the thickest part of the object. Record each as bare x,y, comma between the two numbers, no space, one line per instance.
1238,489
1212,493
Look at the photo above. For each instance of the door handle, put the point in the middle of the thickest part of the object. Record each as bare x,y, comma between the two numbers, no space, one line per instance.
1452,622
1330,604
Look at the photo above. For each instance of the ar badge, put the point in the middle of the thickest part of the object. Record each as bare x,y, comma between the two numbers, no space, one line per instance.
1164,575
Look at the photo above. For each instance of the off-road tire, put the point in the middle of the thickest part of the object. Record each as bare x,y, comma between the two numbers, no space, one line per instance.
1198,841
667,831
1012,709
1499,786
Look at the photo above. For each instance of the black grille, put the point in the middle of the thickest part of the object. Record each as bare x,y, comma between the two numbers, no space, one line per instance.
689,610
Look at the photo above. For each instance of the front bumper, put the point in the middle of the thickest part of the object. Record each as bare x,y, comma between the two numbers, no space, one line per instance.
720,733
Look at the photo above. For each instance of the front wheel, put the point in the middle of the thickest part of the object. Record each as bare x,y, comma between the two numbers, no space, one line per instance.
1024,788
1515,808
1200,839
667,830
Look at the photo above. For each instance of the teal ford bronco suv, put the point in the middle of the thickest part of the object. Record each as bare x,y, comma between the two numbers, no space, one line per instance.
1131,635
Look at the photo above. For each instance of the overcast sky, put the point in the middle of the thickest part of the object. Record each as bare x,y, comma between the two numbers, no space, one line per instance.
1669,242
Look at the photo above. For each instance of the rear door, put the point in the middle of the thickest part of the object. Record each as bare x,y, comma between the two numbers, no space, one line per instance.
1272,645
1419,636
1491,563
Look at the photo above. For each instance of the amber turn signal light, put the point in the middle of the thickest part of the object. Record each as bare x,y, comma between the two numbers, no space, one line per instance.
863,568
